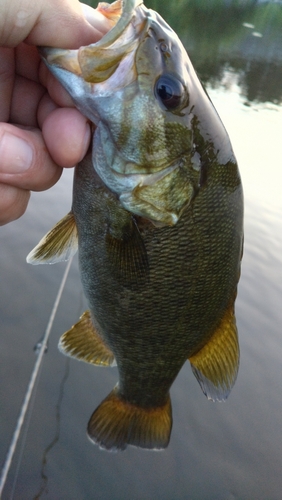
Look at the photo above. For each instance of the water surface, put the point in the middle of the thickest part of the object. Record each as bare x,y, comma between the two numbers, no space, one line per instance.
221,451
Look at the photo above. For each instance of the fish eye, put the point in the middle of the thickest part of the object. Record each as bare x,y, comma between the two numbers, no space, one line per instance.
163,47
170,91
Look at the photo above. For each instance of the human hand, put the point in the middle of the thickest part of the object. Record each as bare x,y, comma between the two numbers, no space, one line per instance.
40,130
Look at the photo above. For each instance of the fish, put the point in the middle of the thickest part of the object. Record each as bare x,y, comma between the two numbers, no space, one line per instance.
157,219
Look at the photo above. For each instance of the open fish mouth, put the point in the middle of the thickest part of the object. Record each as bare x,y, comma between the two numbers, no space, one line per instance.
96,63
122,83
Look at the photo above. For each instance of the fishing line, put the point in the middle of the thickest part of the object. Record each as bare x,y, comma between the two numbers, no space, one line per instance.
24,438
44,476
27,420
33,378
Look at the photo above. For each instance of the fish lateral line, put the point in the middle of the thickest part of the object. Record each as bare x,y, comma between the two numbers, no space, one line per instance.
159,256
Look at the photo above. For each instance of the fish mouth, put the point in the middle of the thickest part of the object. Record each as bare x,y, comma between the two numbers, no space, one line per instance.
121,175
122,183
95,63
104,79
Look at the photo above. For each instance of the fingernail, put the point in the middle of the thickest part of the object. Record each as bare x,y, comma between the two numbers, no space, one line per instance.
16,154
87,139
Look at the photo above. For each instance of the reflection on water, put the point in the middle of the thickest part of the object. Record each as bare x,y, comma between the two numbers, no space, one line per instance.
217,451
242,36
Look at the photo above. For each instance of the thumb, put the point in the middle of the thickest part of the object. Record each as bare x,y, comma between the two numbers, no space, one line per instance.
25,161
57,23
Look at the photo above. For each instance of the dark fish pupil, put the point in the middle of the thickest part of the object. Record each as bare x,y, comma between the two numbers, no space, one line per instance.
170,91
165,92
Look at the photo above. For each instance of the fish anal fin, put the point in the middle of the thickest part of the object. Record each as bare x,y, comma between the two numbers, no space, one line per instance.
59,244
128,255
117,423
83,343
215,366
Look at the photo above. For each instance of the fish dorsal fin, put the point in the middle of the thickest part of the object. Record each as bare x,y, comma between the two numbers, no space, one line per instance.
59,244
117,423
215,366
128,256
83,342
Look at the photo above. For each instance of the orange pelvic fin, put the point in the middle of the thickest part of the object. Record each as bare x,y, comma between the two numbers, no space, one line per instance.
117,423
83,343
216,365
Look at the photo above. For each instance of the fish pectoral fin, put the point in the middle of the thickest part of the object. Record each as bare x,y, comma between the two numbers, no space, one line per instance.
117,423
215,366
128,255
59,244
84,343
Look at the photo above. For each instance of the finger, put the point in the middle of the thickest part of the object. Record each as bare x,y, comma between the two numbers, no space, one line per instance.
27,61
58,23
67,136
24,159
13,203
26,96
96,19
46,106
56,91
7,70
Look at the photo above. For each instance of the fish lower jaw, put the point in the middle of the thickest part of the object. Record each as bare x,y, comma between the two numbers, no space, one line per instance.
159,218
128,187
120,182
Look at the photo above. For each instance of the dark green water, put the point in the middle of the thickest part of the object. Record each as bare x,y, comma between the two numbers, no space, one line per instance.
224,451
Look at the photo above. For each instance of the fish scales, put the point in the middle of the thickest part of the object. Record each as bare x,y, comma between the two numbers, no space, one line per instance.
188,284
157,217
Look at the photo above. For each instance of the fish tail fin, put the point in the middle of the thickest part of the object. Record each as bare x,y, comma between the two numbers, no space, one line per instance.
117,423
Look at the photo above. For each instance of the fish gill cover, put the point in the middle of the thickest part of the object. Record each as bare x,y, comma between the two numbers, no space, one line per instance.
157,219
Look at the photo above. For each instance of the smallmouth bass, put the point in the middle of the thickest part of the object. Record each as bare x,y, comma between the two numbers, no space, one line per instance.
157,218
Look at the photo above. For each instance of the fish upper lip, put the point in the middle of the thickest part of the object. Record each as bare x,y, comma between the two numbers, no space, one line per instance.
77,60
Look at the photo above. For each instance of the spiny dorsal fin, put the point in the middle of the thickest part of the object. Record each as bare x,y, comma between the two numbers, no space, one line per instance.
215,366
128,256
83,342
117,423
59,244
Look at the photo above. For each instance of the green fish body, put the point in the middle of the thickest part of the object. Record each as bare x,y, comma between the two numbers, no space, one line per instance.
158,218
